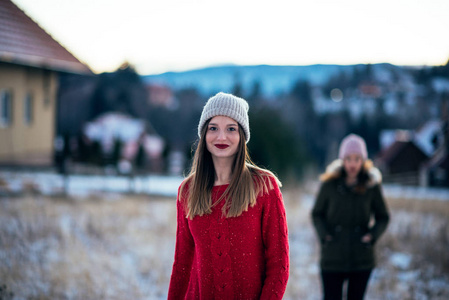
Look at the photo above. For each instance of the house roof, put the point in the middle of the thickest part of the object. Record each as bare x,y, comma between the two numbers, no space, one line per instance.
390,153
24,42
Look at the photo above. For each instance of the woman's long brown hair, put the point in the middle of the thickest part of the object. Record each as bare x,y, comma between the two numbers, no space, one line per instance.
247,181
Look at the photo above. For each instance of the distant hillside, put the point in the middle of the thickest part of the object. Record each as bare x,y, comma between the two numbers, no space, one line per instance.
273,79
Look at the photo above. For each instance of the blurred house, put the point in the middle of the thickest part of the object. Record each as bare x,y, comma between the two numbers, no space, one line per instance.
31,63
370,90
132,141
103,124
401,160
416,157
435,172
161,95
82,99
429,136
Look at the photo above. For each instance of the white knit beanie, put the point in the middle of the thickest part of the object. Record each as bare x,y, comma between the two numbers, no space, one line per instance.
353,144
228,105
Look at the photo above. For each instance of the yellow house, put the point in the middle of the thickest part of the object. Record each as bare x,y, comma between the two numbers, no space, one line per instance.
30,63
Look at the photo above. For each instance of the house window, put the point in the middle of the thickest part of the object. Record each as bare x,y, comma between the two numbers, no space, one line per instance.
28,109
5,108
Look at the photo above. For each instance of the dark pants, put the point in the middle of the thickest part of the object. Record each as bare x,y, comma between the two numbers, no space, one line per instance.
333,284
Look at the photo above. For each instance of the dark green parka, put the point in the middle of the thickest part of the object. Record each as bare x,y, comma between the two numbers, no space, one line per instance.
345,214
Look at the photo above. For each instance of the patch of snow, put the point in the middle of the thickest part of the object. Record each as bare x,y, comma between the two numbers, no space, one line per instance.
425,135
84,185
401,260
440,85
415,192
113,125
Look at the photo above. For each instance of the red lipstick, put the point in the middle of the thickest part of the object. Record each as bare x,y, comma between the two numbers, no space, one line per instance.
221,146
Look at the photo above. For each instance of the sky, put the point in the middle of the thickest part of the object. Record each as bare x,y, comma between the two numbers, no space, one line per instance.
157,36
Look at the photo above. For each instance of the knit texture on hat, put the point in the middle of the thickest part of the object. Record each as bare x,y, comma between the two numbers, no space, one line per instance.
353,144
228,105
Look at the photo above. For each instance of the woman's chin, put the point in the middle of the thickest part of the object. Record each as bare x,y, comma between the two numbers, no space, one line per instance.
352,174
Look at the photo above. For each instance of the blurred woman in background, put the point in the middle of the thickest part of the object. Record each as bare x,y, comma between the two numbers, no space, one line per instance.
349,200
231,239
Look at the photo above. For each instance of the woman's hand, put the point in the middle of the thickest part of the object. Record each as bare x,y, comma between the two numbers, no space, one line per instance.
367,238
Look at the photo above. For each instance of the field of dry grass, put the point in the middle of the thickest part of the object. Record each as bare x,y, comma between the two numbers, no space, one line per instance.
121,247
419,232
109,248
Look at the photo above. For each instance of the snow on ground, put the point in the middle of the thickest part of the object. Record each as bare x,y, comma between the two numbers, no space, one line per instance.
415,192
49,183
53,247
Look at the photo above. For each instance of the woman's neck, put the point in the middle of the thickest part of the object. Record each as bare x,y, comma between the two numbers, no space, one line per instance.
223,171
350,181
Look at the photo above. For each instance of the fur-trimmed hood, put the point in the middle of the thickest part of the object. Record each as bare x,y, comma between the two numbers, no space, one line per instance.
333,171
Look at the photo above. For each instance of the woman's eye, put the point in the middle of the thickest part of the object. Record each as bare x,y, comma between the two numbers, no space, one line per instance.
232,129
212,128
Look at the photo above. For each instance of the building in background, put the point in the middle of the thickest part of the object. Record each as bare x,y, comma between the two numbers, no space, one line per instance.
31,62
401,161
418,157
161,96
126,143
435,172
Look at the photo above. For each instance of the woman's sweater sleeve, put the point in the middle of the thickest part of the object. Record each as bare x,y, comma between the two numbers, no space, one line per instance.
184,252
319,213
275,238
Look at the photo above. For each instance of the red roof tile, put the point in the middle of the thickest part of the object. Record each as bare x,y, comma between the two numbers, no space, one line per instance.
23,41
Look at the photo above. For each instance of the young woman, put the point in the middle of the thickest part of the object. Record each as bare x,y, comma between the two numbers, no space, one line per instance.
349,198
231,239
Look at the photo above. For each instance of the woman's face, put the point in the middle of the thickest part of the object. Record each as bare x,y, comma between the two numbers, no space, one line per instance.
353,164
222,137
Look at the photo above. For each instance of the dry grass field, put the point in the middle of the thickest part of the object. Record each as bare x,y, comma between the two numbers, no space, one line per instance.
113,246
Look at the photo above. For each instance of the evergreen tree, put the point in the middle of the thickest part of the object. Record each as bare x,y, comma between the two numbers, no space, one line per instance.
238,88
121,91
274,144
256,93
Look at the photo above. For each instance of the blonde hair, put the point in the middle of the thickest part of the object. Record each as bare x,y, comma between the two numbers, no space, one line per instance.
247,181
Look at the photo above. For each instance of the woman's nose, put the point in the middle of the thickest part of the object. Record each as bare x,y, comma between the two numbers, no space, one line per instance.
221,135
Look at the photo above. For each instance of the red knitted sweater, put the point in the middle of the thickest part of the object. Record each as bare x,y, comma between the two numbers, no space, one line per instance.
245,257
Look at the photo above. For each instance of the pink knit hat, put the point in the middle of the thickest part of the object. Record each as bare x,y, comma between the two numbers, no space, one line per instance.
353,144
